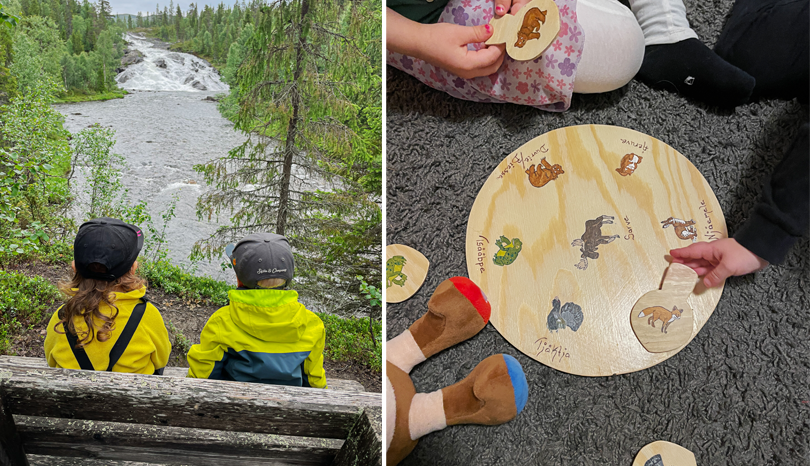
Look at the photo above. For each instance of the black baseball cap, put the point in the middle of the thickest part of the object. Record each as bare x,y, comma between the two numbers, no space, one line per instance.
109,242
261,256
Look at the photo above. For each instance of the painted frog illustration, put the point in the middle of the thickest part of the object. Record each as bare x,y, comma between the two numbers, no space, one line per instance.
508,250
393,271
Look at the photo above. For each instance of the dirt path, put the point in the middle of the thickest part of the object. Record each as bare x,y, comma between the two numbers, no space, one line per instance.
184,321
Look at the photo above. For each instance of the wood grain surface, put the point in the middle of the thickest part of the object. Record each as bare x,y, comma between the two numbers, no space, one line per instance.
415,270
508,27
181,372
591,221
192,403
669,454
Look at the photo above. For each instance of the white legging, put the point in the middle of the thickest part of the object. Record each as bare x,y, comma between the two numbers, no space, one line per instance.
615,38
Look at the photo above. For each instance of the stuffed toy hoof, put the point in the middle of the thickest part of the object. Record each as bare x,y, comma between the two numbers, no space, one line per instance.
457,311
495,392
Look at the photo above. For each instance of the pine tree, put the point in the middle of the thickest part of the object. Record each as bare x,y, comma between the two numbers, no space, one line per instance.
300,65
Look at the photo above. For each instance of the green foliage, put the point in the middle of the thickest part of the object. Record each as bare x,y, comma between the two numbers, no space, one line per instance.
92,148
22,302
347,339
173,279
33,159
309,99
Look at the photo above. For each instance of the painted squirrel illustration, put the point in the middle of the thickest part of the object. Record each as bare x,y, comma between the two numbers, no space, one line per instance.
629,164
531,23
541,175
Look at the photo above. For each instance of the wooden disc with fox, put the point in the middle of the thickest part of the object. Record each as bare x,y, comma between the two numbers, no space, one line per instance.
572,228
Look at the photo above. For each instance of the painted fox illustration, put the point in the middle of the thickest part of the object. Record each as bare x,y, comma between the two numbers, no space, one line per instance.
544,173
660,313
531,23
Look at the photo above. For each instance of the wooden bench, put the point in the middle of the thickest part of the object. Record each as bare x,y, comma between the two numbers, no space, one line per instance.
62,416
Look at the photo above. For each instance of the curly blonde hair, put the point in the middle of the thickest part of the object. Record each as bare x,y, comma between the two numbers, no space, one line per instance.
85,296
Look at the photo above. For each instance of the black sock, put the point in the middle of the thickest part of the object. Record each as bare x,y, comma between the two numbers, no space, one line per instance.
693,70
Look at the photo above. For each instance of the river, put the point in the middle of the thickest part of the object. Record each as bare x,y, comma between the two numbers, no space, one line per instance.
162,129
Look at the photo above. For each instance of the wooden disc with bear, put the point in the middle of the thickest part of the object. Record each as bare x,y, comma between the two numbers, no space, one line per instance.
572,228
405,271
528,33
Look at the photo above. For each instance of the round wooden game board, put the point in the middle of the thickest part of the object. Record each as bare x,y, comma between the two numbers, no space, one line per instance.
590,175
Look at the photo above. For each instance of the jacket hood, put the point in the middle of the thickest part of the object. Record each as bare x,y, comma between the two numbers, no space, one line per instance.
270,315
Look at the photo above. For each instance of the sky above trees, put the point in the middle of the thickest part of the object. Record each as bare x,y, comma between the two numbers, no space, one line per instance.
132,7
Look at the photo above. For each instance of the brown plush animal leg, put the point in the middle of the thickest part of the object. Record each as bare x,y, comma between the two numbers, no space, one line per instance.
494,393
456,311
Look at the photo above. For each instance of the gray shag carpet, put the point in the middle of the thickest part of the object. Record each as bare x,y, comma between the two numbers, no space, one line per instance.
738,394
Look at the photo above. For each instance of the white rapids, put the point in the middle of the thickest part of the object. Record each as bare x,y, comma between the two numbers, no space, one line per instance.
164,70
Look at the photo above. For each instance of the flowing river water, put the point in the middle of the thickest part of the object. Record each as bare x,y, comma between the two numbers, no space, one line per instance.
162,129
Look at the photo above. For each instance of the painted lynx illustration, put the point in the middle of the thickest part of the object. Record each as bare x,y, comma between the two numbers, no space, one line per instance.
540,176
660,313
683,229
533,20
629,164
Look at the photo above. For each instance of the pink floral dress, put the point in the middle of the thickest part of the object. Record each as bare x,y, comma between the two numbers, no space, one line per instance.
546,82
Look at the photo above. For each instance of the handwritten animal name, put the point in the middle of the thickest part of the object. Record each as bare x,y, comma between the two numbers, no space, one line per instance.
629,235
642,146
519,159
557,352
708,228
482,252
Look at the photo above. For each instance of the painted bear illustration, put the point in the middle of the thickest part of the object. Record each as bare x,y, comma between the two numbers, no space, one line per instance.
507,250
629,164
663,314
540,176
683,229
531,24
569,316
591,239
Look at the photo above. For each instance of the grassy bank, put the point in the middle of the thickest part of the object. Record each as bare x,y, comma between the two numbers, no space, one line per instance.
27,300
75,96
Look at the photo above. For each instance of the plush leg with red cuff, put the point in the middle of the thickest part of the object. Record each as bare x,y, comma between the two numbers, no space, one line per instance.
494,392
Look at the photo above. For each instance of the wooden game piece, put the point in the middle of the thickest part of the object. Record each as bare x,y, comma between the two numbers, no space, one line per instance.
669,309
528,33
663,453
405,271
564,258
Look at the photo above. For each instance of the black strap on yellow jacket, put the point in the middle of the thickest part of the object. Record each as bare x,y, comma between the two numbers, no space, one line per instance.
118,348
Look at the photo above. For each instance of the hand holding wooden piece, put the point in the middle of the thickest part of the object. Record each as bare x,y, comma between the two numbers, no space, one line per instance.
528,33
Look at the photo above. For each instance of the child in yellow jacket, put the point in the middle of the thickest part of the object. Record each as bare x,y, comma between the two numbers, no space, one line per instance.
107,324
264,335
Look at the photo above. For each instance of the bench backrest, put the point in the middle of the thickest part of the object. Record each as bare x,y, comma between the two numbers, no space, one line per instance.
136,417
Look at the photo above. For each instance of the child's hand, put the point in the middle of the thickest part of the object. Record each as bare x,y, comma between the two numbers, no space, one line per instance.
508,6
718,260
446,47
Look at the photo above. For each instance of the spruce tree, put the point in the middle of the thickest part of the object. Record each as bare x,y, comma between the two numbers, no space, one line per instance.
297,174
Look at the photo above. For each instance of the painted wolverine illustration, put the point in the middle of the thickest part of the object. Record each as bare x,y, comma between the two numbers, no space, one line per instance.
531,24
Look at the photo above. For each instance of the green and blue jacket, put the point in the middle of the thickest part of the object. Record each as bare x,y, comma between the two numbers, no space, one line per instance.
263,336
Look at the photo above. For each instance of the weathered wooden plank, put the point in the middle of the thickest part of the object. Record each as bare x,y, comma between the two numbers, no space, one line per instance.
169,401
11,449
363,447
45,460
169,445
39,363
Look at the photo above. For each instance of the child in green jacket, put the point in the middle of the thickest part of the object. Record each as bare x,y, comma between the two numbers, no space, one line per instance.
264,335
